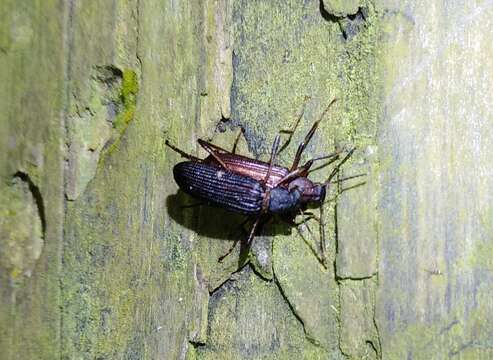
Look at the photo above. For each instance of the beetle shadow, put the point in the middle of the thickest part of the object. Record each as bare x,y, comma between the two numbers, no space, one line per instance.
215,222
204,219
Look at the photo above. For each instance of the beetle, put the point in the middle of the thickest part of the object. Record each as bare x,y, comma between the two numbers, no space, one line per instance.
237,193
253,187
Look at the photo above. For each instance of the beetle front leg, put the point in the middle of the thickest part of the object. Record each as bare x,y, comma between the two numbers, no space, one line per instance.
291,131
308,137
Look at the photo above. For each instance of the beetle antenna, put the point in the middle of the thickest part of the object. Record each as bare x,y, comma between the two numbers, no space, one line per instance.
333,156
333,159
347,178
338,166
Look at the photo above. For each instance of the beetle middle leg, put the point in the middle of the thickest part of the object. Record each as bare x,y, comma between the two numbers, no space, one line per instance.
320,254
265,204
249,241
222,257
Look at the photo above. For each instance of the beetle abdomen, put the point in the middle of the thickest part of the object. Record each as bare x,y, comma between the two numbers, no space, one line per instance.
220,188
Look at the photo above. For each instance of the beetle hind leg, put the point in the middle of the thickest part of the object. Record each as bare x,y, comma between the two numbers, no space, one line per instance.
242,132
181,152
222,257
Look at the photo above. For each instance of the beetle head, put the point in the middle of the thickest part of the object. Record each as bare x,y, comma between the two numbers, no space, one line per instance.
311,193
319,192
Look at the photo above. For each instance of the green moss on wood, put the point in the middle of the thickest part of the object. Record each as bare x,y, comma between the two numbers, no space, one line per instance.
249,318
128,97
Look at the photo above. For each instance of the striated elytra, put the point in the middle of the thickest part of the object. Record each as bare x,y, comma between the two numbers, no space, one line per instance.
231,191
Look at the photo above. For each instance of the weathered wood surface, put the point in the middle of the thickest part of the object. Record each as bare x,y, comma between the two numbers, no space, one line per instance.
97,258
31,177
435,147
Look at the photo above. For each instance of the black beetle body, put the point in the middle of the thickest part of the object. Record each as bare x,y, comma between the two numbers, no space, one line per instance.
257,188
231,191
220,188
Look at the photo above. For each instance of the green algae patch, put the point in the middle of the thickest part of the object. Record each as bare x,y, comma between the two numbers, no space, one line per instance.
249,318
95,126
310,290
118,269
128,98
481,255
456,335
31,158
359,337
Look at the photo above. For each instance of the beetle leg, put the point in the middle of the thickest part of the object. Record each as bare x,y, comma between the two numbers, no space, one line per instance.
348,178
293,174
242,131
333,157
182,153
273,154
304,170
249,242
308,137
294,127
221,258
252,232
210,148
207,146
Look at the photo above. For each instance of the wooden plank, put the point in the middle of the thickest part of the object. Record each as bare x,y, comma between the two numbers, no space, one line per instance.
31,177
435,150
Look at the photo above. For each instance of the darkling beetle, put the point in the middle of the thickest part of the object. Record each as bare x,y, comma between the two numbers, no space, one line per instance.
257,188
